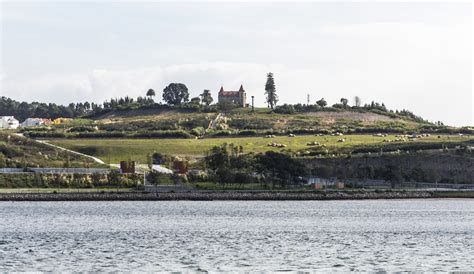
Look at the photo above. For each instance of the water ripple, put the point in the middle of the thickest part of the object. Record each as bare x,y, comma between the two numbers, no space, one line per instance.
405,235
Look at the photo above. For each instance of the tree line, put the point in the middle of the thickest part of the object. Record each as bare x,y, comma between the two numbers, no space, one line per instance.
228,164
177,95
23,110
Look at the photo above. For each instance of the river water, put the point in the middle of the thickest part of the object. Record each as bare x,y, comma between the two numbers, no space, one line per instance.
370,235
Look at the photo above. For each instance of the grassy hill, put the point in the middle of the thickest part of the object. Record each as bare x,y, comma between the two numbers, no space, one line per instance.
185,123
116,150
16,151
133,133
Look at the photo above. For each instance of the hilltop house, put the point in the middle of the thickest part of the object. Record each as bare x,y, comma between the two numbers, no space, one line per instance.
235,97
9,122
31,122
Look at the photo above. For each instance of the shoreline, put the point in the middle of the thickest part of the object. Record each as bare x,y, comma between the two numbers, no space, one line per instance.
227,196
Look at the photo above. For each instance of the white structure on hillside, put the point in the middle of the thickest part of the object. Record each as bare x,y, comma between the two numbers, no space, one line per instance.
32,122
8,122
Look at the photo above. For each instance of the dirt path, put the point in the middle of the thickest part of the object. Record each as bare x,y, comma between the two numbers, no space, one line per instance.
97,160
213,123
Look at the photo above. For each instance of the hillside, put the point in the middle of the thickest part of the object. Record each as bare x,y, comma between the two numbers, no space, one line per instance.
166,122
304,145
16,151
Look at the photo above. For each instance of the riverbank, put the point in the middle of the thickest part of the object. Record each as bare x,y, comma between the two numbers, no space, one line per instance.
243,196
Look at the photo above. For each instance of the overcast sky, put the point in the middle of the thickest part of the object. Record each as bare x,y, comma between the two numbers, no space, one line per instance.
416,56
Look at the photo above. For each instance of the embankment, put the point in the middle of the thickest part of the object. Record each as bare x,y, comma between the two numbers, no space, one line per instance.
223,196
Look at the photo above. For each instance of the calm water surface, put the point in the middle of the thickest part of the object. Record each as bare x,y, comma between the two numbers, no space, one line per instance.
389,235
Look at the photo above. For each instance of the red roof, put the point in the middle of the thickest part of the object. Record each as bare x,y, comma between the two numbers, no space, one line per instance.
223,92
229,93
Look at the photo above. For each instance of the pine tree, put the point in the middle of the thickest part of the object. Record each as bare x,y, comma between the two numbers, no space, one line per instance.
270,91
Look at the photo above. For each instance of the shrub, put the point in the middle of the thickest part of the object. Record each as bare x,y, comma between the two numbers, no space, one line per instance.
247,133
197,131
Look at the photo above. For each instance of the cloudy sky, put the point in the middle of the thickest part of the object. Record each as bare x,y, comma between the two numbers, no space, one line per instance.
416,56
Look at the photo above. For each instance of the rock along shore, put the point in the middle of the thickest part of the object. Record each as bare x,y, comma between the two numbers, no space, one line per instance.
210,196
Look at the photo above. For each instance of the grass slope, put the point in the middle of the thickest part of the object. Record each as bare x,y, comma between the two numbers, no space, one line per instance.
116,150
264,119
16,151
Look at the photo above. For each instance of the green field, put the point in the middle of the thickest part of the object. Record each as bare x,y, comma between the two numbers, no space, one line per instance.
115,150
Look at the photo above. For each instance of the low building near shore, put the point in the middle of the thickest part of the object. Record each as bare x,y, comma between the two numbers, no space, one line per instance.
323,181
9,122
320,183
32,122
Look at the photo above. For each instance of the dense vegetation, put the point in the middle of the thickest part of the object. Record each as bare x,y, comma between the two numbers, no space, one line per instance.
32,180
401,168
373,107
228,164
23,110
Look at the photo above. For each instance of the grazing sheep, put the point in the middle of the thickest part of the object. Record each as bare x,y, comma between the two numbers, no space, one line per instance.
276,145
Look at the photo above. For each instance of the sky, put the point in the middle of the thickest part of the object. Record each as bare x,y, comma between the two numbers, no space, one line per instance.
415,56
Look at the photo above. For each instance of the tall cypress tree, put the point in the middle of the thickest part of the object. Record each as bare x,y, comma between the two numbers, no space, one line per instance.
270,91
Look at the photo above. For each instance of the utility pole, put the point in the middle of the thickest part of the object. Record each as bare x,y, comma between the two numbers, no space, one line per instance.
308,99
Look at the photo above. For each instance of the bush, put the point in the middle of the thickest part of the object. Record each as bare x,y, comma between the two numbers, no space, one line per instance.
251,123
220,133
284,109
10,152
197,131
44,134
247,133
163,134
82,129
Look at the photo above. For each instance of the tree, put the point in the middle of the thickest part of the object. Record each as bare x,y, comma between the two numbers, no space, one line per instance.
344,102
270,91
322,103
357,101
150,93
206,97
393,174
176,94
196,100
281,168
87,105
